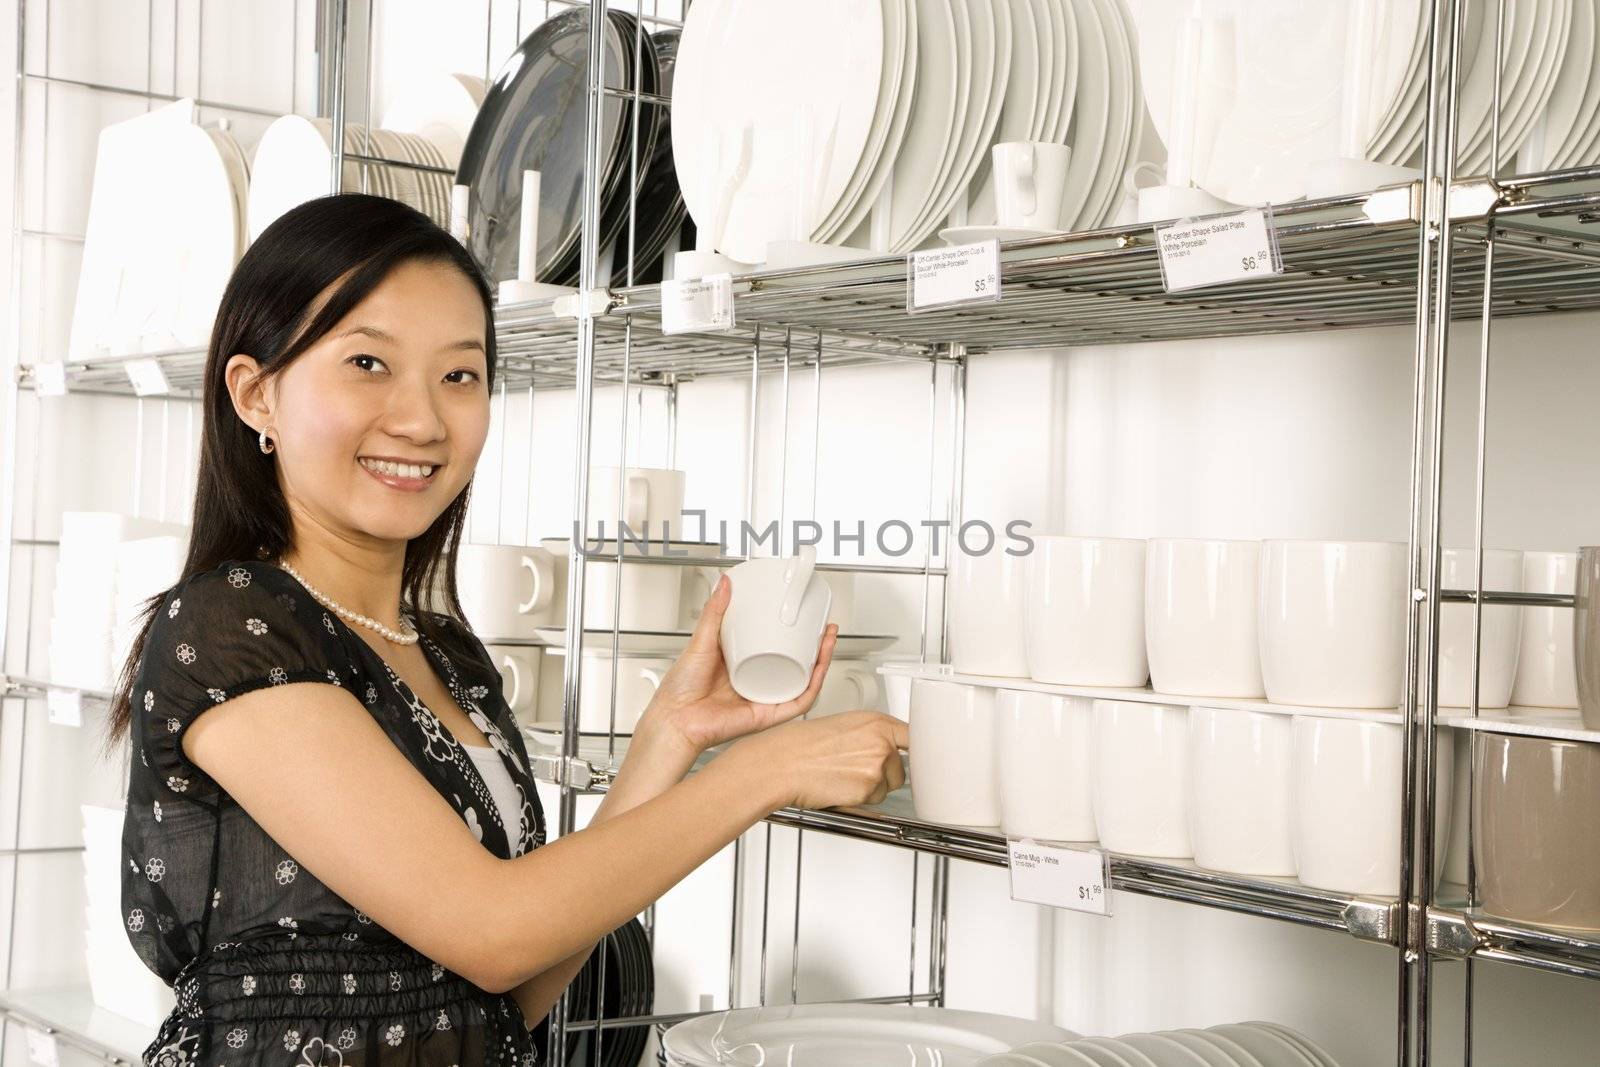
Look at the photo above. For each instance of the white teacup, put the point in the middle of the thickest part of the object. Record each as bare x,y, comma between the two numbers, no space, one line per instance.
647,500
953,774
1043,745
1140,778
519,667
1501,629
636,683
1241,767
1346,811
506,590
1085,611
986,597
1200,604
848,686
1030,178
1333,622
1547,675
773,626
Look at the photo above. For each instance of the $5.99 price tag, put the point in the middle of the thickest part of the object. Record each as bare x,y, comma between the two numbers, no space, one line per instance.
1074,878
1218,249
960,274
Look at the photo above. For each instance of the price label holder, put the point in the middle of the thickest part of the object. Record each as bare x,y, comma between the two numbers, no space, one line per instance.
147,377
42,1047
1217,249
1078,879
946,277
697,305
50,378
64,706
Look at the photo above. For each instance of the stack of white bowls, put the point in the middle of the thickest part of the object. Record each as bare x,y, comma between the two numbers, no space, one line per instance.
118,979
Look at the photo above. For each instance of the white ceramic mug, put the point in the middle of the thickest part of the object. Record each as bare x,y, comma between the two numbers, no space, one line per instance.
1501,629
953,775
773,626
636,683
1029,180
1043,744
986,597
1346,811
1241,774
1140,778
1084,611
1547,675
1200,605
848,686
1333,622
647,500
519,667
506,590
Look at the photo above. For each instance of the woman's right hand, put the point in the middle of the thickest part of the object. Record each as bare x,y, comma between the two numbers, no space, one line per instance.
842,760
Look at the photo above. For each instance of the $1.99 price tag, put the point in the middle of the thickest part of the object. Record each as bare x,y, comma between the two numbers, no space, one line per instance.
1078,879
960,274
1218,249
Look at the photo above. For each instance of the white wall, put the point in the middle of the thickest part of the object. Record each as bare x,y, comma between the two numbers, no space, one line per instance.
1303,436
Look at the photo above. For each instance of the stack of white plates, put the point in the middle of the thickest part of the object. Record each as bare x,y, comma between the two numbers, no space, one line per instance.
118,978
440,108
849,1035
1254,1044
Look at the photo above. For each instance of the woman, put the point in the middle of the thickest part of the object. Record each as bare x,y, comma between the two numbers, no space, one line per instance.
341,862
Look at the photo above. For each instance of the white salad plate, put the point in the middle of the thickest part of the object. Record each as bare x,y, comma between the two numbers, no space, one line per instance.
1575,94
1091,113
1019,108
439,107
932,126
899,69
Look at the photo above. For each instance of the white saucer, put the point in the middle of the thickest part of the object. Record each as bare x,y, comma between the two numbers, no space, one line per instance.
960,235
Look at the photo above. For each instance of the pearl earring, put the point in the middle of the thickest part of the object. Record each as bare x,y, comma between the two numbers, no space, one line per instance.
265,443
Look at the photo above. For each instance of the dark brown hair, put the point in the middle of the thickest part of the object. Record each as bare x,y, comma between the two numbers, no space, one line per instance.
268,311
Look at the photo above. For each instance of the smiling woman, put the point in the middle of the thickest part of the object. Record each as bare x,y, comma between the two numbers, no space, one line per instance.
333,849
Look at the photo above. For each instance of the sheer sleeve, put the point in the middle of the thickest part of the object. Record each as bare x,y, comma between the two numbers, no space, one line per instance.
239,627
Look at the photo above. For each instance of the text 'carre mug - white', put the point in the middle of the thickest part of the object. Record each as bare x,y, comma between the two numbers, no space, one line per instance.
773,626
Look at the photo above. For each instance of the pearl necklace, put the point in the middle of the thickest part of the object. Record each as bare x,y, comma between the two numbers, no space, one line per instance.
355,616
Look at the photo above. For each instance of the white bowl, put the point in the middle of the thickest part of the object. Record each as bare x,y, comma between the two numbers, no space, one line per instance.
1043,743
953,776
1140,778
1200,605
1241,777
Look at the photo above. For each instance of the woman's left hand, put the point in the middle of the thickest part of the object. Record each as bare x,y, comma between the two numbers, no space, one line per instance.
696,700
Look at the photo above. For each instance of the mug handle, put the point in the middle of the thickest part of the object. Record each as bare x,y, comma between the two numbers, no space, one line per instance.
541,588
653,676
510,663
796,580
1130,177
1023,167
637,505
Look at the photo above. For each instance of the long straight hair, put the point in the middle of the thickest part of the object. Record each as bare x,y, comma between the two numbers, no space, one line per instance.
267,311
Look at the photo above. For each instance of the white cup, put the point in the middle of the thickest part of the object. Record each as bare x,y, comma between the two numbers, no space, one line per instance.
636,683
1084,612
1029,180
1346,810
506,590
952,755
519,667
848,686
1333,622
652,593
1140,778
773,626
1241,767
986,597
1043,744
1200,605
1501,629
647,500
1547,675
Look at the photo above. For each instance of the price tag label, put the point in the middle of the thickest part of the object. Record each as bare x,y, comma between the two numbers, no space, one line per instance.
1075,878
960,274
1218,249
147,377
50,378
42,1047
697,305
64,706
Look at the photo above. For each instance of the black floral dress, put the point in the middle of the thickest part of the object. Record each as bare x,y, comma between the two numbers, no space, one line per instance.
269,965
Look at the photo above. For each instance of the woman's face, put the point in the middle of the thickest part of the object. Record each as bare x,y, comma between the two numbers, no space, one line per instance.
399,381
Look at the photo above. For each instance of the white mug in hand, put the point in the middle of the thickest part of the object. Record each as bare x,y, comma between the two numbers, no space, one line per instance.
773,626
1030,178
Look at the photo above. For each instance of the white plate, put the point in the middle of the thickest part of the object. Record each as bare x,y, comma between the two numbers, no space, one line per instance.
1209,1054
1017,110
439,107
970,48
1115,1046
1120,129
1576,93
932,125
1272,1049
1067,66
206,183
961,235
1299,1040
1091,113
1098,1055
1163,1051
671,642
1052,1054
1236,1053
1525,99
849,1035
746,66
894,112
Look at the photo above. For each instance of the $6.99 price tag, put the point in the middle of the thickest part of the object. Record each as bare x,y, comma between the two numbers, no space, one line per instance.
1218,249
1078,879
